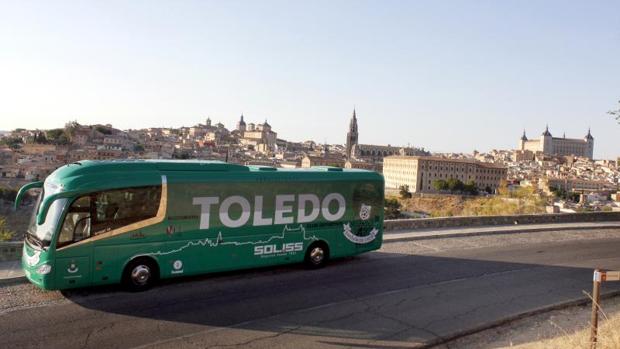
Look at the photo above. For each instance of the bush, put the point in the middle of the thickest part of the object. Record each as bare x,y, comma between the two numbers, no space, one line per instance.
12,142
455,186
5,233
391,209
440,184
8,194
404,192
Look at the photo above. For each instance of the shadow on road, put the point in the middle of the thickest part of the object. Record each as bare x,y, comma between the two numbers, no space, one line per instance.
378,296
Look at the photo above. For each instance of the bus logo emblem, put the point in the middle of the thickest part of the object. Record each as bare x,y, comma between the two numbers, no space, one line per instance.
72,268
348,233
177,266
365,212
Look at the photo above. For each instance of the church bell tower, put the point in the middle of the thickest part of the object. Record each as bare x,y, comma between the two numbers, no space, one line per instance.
352,136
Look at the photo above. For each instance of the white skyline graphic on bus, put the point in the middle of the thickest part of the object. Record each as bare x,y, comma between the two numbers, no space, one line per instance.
290,247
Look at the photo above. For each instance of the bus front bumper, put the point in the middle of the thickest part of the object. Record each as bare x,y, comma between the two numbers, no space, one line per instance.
38,270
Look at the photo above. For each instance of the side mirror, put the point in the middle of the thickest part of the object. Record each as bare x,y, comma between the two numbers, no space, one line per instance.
22,191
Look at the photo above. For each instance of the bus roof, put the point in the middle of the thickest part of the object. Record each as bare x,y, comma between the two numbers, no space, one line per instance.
90,175
76,175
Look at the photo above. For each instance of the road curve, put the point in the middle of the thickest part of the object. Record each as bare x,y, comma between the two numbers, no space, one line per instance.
404,295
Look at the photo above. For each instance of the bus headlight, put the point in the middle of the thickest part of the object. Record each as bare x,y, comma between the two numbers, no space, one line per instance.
44,269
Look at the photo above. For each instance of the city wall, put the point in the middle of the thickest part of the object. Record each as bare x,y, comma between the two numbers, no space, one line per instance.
13,250
479,221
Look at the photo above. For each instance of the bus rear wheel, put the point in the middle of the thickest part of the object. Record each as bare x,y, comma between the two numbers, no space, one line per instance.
317,255
140,274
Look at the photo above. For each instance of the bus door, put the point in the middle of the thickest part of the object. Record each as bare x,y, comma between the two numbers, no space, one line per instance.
73,260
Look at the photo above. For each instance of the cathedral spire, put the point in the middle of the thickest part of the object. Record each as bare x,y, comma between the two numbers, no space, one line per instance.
352,136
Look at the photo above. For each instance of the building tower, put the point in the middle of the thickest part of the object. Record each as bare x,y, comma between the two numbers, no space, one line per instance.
546,141
241,125
208,122
351,136
522,141
590,145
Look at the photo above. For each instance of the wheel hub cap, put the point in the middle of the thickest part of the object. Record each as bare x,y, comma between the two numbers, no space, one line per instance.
140,275
317,255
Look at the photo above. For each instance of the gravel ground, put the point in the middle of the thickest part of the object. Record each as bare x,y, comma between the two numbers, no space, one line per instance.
528,332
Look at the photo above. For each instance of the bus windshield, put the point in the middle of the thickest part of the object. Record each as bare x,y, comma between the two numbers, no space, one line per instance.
42,234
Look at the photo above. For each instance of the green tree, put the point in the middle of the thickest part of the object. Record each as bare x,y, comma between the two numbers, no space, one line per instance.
440,184
404,192
57,136
70,128
104,130
455,185
12,142
8,194
391,209
5,233
39,138
471,188
138,147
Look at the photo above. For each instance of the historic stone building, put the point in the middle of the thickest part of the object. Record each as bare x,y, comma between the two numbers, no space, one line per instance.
549,145
372,152
579,185
419,172
260,136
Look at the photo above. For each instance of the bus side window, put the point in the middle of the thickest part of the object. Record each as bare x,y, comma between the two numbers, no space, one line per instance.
76,225
117,208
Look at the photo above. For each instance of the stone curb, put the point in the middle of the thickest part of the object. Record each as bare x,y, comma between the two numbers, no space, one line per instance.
13,281
537,311
388,239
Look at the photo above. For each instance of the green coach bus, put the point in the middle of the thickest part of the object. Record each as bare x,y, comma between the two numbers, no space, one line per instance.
136,221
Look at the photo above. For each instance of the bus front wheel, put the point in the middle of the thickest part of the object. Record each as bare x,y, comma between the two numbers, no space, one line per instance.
317,255
140,274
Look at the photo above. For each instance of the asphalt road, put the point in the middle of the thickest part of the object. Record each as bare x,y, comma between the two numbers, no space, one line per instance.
404,295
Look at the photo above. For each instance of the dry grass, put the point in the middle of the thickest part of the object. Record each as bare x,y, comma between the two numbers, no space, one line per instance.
521,201
608,338
559,329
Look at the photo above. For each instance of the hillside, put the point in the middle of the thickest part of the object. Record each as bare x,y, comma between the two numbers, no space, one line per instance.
520,201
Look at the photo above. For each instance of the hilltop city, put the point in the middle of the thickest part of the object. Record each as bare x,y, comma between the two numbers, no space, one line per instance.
549,164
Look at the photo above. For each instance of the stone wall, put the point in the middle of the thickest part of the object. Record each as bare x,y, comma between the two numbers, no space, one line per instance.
10,250
478,221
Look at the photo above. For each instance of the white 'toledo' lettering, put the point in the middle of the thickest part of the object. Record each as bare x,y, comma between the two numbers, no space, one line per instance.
341,207
309,207
282,209
205,209
225,208
314,206
258,213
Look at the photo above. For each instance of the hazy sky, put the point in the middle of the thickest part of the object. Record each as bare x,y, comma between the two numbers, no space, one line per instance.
445,75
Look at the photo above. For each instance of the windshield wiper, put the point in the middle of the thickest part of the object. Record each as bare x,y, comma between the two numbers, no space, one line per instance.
35,240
